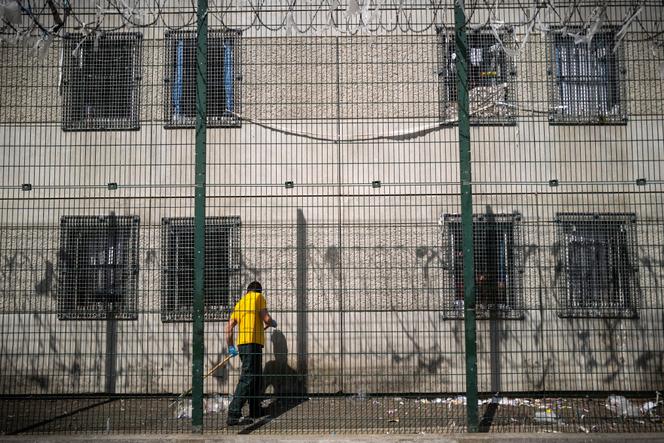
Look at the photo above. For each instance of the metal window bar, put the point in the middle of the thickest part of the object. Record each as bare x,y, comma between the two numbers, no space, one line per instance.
98,263
222,267
490,77
224,79
498,265
598,253
101,74
587,79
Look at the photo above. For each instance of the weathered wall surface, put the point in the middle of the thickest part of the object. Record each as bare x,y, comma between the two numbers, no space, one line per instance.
364,316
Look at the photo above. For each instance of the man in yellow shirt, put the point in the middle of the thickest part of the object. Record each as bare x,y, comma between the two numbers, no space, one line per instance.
250,313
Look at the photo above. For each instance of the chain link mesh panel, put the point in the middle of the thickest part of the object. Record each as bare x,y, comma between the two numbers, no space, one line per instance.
332,177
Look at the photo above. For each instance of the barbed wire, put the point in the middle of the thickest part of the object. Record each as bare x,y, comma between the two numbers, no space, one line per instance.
23,22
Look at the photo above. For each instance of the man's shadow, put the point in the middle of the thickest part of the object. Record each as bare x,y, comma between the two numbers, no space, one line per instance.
288,387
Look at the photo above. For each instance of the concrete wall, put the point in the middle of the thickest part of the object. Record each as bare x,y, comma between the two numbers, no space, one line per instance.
366,315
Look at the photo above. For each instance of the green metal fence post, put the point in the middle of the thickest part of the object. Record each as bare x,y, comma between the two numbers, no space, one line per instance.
466,215
199,219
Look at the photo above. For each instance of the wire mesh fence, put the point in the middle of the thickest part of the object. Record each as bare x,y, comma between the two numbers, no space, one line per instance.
332,176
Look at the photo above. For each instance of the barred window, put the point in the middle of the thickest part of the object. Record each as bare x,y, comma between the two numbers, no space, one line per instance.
100,81
497,262
98,267
490,78
585,80
598,258
221,272
223,79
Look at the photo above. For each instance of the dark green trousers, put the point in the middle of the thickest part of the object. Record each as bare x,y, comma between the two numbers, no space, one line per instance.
249,386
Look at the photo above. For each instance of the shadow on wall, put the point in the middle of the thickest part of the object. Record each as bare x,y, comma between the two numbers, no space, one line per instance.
288,386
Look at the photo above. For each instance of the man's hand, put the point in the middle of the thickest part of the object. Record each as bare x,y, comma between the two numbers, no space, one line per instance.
232,351
273,323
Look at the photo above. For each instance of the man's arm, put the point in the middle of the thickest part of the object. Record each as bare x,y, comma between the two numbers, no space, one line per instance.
267,319
229,331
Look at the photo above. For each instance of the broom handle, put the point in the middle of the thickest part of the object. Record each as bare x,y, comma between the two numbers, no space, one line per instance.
217,366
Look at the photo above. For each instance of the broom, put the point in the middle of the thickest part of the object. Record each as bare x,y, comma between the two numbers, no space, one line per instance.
221,364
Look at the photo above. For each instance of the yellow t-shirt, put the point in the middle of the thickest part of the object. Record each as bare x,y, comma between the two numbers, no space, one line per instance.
246,312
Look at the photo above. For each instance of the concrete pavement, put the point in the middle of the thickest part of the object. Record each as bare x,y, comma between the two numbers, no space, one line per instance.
404,438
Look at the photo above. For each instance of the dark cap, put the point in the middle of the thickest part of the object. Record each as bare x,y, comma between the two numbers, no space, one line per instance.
254,286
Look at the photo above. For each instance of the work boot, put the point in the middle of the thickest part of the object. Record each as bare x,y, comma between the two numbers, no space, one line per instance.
242,421
259,413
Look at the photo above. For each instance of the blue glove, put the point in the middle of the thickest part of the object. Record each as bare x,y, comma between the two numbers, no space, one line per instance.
232,351
274,323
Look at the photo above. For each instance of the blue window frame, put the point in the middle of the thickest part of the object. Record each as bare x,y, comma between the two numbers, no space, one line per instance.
223,79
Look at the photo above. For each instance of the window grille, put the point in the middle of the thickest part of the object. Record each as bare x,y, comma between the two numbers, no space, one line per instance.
100,83
586,81
221,273
498,258
98,267
599,262
223,79
490,78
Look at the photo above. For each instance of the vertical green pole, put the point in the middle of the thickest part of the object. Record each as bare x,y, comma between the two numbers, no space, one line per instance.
199,219
466,215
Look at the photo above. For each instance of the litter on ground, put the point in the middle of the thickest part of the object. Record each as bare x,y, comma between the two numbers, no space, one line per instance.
546,416
211,405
